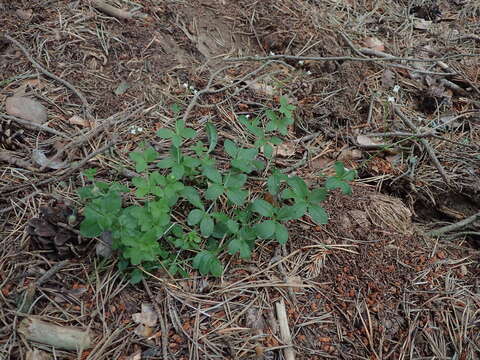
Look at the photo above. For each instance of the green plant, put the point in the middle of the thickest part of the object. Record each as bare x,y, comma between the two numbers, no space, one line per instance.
222,214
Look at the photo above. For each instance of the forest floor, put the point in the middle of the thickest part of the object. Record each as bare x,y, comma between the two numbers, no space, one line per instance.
390,88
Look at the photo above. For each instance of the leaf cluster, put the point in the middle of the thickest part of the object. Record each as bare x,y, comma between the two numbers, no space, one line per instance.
221,212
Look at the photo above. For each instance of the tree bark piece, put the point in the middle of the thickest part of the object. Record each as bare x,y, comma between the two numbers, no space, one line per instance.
61,337
285,330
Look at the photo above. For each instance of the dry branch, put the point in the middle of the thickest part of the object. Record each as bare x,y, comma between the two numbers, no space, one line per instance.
49,74
61,337
285,330
424,143
111,10
455,226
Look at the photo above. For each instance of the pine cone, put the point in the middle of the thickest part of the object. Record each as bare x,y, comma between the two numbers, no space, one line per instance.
53,231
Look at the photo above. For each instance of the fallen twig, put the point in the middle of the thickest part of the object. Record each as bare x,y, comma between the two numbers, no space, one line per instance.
10,159
347,58
424,143
111,10
455,226
34,126
104,125
47,73
285,330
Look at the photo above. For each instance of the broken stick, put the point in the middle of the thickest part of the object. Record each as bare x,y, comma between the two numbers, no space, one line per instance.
285,330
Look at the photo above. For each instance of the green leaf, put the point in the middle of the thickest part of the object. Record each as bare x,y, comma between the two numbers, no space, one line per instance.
150,154
293,212
112,203
165,133
177,140
86,193
176,109
318,214
232,226
235,181
192,195
136,276
206,262
243,165
334,182
191,162
195,216
206,226
212,136
317,195
237,196
239,246
166,163
213,191
212,174
339,169
230,148
281,233
351,175
263,208
178,171
265,229
140,163
268,151
298,186
90,173
188,133
274,182
90,228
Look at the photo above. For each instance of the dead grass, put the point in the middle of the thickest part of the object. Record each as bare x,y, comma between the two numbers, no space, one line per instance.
369,285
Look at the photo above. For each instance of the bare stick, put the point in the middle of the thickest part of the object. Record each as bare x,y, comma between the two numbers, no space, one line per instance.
111,10
34,126
52,271
10,159
455,226
345,58
424,143
105,124
50,75
285,330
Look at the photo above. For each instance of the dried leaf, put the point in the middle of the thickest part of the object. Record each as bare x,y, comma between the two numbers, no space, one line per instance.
77,120
295,282
24,14
422,24
26,108
388,79
136,356
40,159
367,141
144,331
374,44
350,154
122,88
285,149
37,355
254,319
322,164
262,89
147,317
